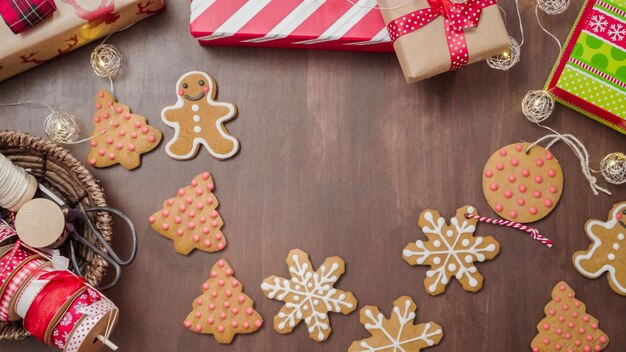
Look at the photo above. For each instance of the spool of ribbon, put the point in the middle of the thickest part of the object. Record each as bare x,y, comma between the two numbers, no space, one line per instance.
458,16
7,301
40,223
54,297
21,15
16,185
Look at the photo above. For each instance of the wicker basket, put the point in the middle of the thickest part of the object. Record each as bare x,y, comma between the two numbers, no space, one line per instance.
57,169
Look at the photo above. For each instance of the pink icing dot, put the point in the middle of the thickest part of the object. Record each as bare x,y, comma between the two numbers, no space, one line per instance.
92,162
213,223
546,341
109,141
553,189
503,152
229,272
94,143
546,326
552,312
594,326
131,147
137,124
119,110
192,214
246,325
111,156
551,173
196,238
220,246
513,214
127,116
514,162
198,315
188,200
549,156
213,274
587,349
493,186
205,175
241,299
180,232
221,263
489,173
523,188
178,220
165,213
557,299
562,287
508,194
133,135
499,208
220,329
234,283
525,173
521,202
258,323
229,293
588,337
211,305
603,339
234,324
221,282
235,311
165,227
581,330
565,307
144,130
539,162
182,208
518,147
115,123
151,139
202,219
249,311
97,119
561,319
194,182
532,210
559,331
586,318
199,206
568,336
548,203
151,219
574,315
187,324
206,230
570,325
226,304
209,201
205,286
119,146
537,194
577,343
199,191
98,106
511,178
218,236
500,166
207,243
598,348
222,315
558,346
106,115
181,192
210,320
538,179
198,328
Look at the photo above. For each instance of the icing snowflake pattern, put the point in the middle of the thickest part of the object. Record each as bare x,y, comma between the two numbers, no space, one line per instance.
309,295
398,333
598,23
617,32
450,251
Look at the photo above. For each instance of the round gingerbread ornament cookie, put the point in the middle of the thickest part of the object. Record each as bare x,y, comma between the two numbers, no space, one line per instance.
522,184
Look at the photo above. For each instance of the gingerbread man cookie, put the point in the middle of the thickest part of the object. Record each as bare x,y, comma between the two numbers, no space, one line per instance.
198,119
522,184
607,253
119,137
450,251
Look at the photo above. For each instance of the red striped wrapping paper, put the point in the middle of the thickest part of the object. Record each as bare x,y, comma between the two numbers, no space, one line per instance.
354,25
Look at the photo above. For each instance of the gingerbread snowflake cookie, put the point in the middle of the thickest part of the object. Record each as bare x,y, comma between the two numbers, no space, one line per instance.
223,310
309,295
198,119
451,250
396,333
119,136
607,253
522,184
567,325
191,219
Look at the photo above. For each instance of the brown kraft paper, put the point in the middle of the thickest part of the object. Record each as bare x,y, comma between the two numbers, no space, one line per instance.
424,53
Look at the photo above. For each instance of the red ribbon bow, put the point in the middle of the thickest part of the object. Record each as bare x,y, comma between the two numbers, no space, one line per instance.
457,18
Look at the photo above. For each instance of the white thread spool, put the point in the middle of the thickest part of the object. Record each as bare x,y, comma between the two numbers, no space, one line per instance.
40,223
16,185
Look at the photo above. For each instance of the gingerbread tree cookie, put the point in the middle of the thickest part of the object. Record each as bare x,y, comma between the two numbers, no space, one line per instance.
198,119
190,219
567,326
309,295
522,184
450,251
607,253
396,333
223,310
119,137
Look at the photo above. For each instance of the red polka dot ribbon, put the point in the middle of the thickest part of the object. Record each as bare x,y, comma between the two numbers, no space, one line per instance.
457,18
64,328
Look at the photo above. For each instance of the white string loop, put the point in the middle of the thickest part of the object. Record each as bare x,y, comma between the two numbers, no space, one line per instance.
579,150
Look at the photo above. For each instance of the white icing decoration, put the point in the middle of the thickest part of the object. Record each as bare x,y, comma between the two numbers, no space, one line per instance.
404,318
451,254
437,243
597,243
219,123
196,118
317,292
616,246
470,210
197,129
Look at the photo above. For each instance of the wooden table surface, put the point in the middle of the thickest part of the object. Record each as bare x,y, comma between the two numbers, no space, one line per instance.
339,157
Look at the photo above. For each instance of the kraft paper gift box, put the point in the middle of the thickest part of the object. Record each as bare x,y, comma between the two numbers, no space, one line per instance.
590,74
425,52
354,25
73,24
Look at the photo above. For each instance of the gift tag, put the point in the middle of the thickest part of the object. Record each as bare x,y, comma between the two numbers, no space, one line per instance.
522,184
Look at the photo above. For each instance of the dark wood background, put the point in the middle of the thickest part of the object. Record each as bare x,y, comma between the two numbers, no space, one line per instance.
339,156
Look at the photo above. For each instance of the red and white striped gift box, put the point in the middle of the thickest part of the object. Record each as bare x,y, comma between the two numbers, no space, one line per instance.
355,25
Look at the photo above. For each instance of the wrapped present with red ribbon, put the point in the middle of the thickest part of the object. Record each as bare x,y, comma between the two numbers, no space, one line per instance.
434,36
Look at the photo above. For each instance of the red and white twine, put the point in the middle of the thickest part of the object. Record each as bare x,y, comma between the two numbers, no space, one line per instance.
534,233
